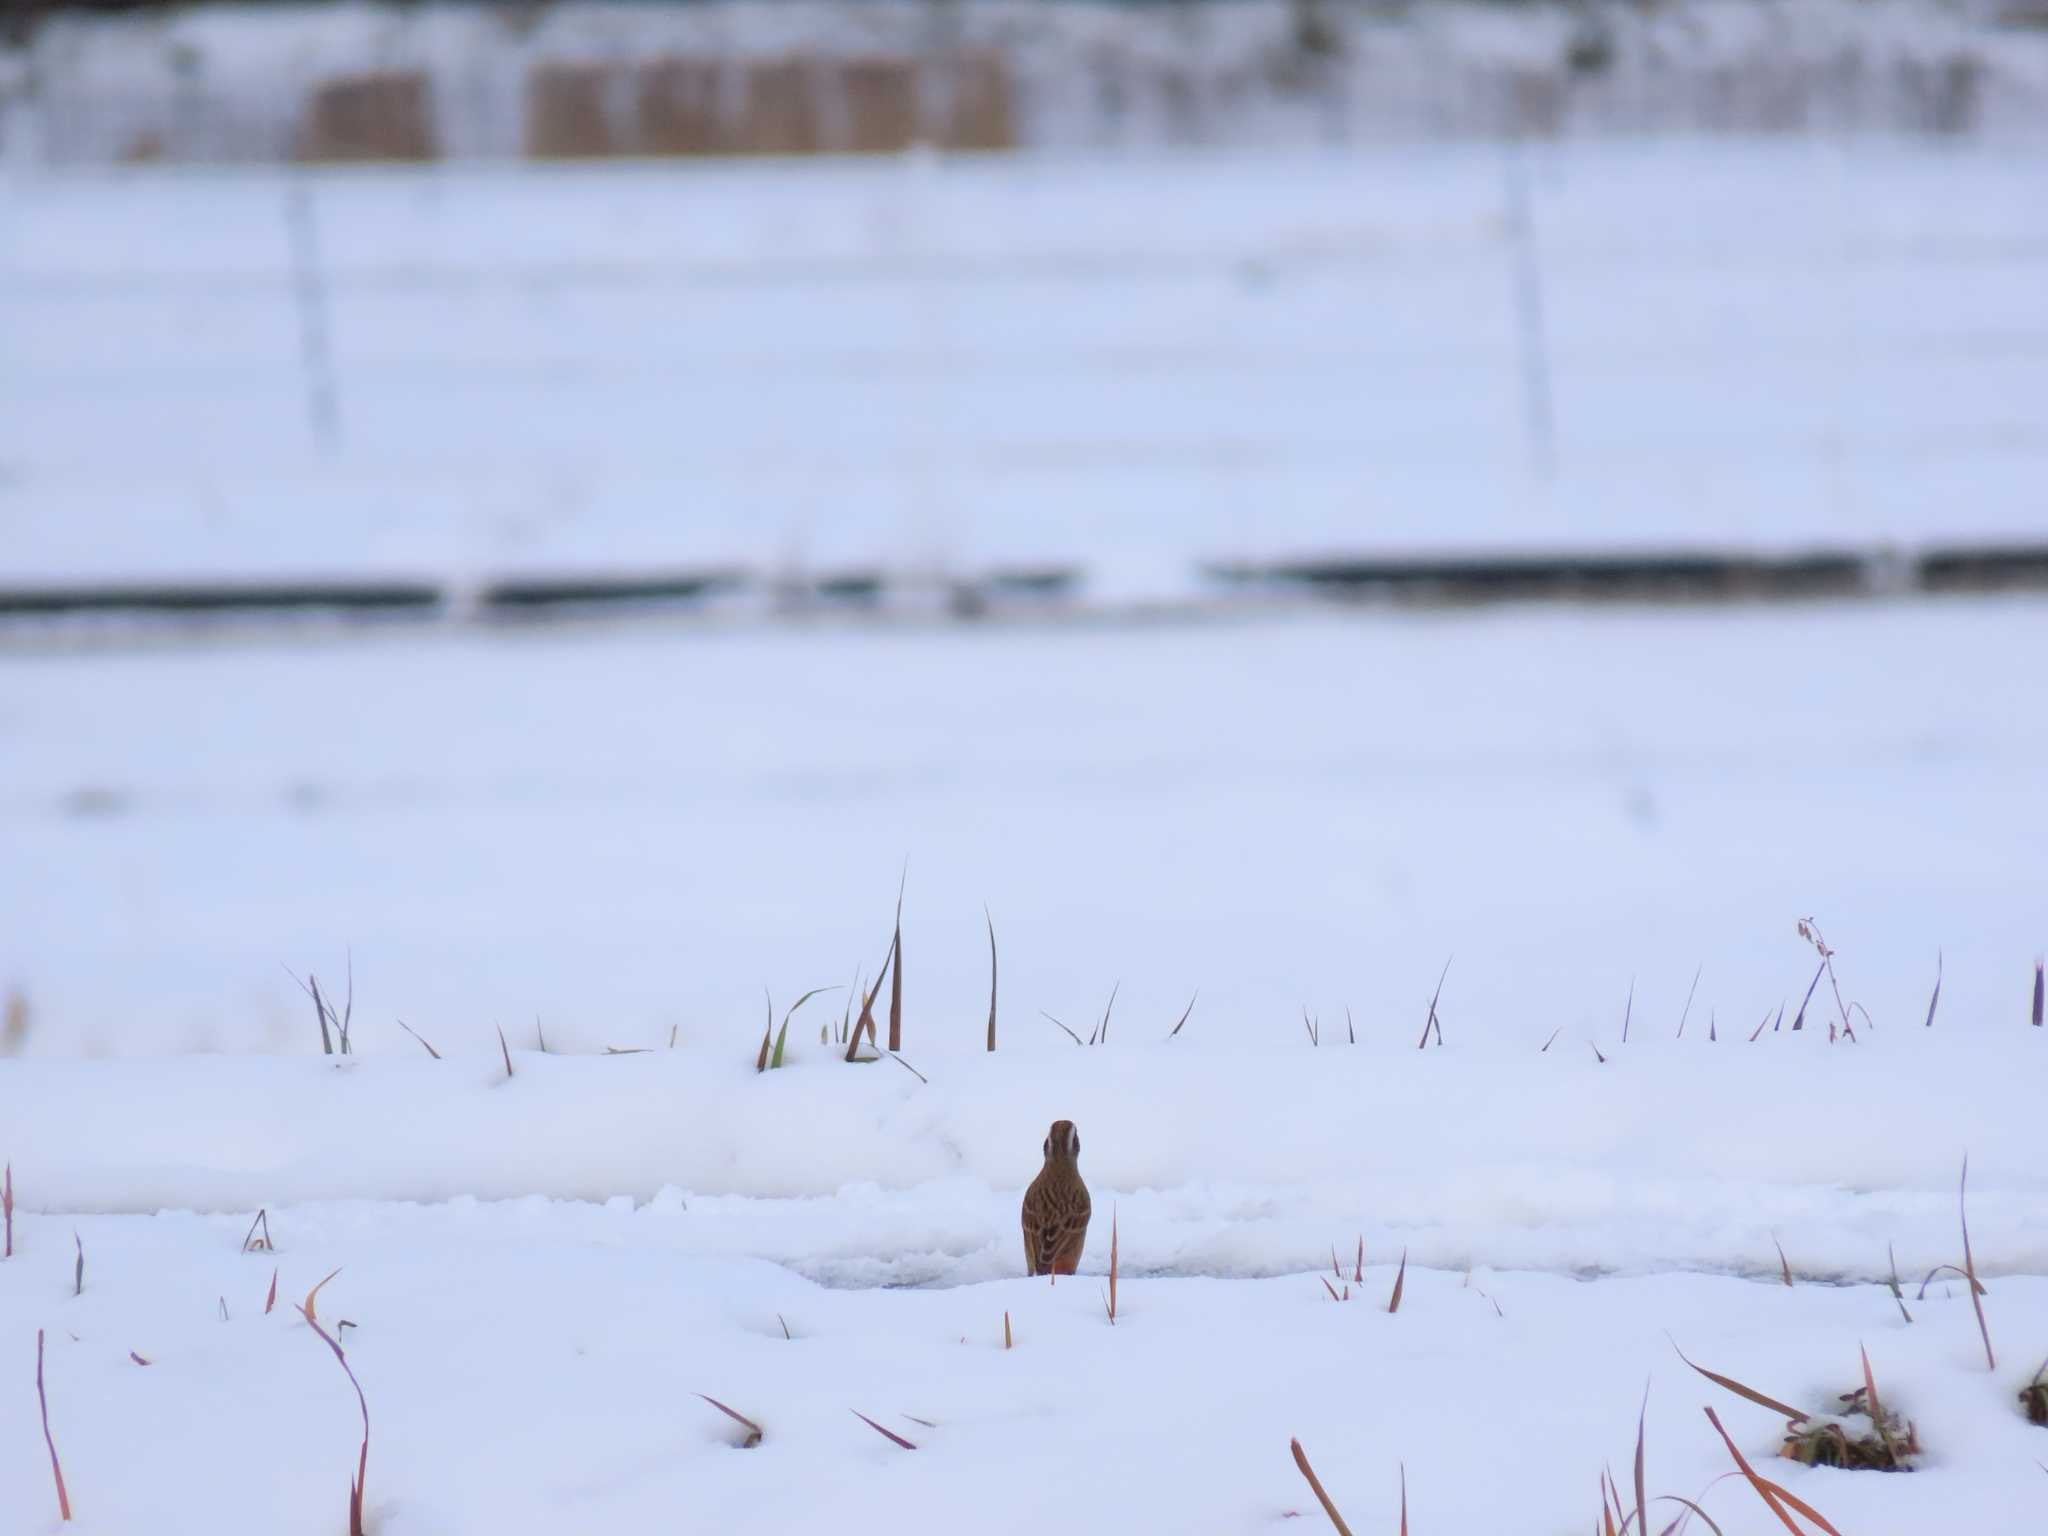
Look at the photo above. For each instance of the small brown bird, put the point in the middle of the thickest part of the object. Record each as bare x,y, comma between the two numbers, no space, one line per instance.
1056,1207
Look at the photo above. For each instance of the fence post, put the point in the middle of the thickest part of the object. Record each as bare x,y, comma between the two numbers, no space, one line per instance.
1525,261
309,293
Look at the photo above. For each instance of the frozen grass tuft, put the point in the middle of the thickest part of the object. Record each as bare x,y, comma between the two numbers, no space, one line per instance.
2034,1397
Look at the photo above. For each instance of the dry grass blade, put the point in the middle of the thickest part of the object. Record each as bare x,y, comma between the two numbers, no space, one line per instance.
1642,1514
886,1434
1112,1266
270,1300
866,1021
1102,1030
991,978
1799,1019
1936,996
896,976
1432,1022
753,1430
1688,998
138,1359
1358,1263
1876,1407
1764,1489
505,1050
78,1273
1691,1508
306,1307
1628,1009
1400,1279
7,1207
2038,999
1762,1022
906,1066
1404,1498
320,1011
1350,1029
1069,1033
1784,1265
1970,1264
1740,1390
767,1033
1897,1295
257,1240
782,1035
1316,1485
1596,1054
1330,1288
1008,1340
1552,1040
360,1483
1945,1269
1308,1024
1184,1014
56,1467
419,1037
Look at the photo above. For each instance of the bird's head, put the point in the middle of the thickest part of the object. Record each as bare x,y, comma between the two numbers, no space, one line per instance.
1063,1143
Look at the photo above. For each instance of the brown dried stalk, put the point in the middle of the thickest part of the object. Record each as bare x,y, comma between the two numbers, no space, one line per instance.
56,1467
896,979
419,1037
360,1482
886,1434
1970,1264
1112,1266
991,978
1330,1509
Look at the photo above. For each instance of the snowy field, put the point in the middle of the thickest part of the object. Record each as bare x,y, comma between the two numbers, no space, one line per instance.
618,838
1594,831
1132,364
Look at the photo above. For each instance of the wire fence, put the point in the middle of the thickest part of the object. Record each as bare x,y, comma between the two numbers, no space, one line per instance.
852,373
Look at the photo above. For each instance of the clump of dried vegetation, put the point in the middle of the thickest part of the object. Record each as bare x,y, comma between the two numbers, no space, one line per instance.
2034,1397
1863,1435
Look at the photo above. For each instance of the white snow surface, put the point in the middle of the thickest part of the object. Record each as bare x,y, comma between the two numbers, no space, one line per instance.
631,832
532,1368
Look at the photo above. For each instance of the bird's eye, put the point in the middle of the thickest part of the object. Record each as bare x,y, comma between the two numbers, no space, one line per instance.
1074,1142
1048,1146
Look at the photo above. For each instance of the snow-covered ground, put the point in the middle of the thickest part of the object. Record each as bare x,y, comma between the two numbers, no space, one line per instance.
532,1368
630,833
1133,366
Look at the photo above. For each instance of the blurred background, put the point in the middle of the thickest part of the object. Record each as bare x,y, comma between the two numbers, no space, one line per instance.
554,504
